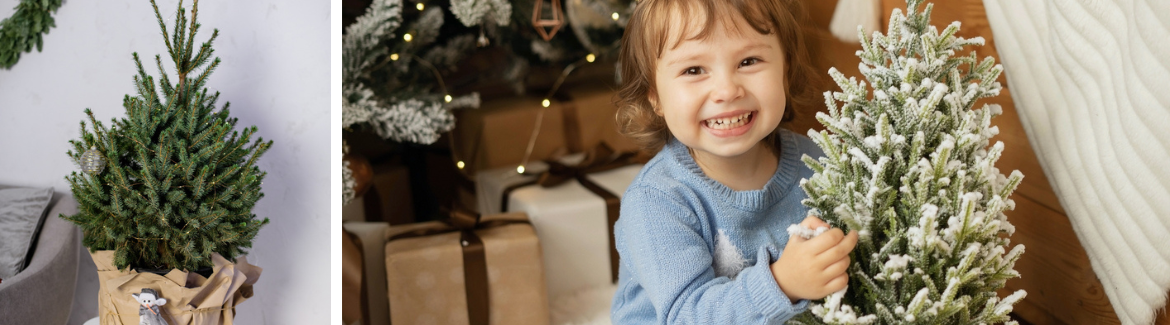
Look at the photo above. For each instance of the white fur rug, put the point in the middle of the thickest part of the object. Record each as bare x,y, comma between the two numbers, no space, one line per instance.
1091,79
584,307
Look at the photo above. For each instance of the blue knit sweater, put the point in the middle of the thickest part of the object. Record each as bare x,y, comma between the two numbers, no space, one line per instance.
694,251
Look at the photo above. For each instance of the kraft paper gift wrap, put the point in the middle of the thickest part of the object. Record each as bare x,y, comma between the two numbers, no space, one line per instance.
191,298
497,134
570,220
426,280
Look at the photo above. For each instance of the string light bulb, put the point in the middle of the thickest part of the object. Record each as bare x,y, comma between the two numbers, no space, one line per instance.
460,164
545,102
394,56
615,16
447,98
419,6
589,58
407,37
520,169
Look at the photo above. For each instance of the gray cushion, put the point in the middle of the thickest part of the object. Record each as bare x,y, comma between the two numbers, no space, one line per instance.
22,211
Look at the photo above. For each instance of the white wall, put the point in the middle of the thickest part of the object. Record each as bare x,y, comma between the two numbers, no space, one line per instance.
275,73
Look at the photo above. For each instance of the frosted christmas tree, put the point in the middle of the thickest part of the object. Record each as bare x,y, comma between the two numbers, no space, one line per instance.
910,168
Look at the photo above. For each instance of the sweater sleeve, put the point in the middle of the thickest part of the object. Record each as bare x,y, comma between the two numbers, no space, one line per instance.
661,243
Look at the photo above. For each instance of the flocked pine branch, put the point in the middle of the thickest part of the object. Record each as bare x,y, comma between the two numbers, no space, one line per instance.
181,181
391,74
348,183
910,168
381,70
362,41
472,12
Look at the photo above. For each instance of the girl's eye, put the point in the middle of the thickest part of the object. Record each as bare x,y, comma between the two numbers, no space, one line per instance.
693,71
749,61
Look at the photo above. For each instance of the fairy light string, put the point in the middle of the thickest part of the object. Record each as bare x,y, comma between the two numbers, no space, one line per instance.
447,98
545,103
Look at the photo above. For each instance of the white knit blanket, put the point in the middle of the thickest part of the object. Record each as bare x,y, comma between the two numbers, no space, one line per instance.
1091,79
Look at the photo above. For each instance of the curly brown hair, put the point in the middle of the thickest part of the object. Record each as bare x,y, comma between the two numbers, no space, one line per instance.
646,37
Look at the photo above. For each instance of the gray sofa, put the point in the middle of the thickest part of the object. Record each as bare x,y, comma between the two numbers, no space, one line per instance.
43,292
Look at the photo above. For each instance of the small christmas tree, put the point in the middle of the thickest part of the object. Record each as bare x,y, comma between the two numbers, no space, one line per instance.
179,182
909,168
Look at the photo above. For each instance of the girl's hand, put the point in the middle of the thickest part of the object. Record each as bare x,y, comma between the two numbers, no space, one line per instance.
814,268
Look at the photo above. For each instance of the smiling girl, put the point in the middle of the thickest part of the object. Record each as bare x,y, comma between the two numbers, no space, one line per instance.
702,230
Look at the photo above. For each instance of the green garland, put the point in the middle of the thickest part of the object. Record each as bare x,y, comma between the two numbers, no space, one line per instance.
21,31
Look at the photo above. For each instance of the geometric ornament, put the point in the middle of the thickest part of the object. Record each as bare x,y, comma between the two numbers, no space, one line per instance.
554,23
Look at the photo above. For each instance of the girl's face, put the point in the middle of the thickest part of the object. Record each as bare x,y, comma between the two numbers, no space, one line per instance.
723,94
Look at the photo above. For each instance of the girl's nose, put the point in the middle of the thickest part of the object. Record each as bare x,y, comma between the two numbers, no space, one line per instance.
727,88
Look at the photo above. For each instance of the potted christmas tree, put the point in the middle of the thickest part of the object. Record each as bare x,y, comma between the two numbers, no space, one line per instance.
170,188
910,169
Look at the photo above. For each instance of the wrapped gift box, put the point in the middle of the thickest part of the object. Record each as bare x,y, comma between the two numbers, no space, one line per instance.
570,219
354,305
497,134
426,279
596,118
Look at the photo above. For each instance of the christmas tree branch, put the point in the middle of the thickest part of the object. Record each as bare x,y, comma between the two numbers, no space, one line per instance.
162,25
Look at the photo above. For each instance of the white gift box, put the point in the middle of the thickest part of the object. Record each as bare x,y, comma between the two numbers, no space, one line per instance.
570,220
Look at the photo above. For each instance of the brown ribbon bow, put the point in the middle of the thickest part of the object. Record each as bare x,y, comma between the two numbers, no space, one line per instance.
601,158
474,260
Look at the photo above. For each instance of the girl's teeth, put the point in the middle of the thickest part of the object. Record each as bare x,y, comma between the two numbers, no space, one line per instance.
728,123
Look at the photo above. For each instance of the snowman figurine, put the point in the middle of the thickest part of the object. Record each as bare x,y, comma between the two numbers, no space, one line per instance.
148,307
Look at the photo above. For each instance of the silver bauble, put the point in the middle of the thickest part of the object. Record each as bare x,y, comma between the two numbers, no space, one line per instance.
92,161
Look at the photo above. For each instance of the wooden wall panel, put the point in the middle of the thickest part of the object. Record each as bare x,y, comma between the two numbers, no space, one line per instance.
1062,288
